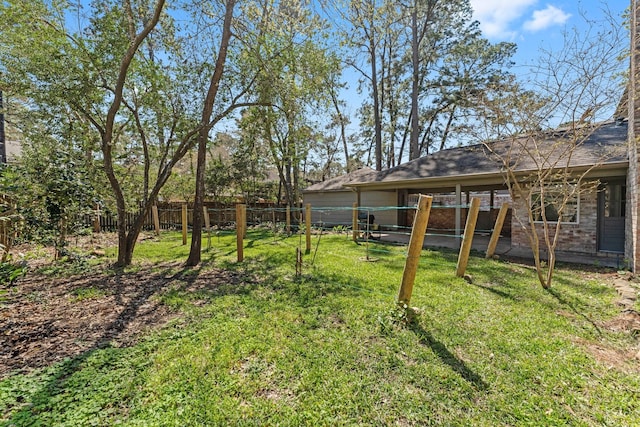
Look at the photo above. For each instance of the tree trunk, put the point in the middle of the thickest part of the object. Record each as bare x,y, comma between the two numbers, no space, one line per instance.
203,136
376,100
343,132
196,233
415,62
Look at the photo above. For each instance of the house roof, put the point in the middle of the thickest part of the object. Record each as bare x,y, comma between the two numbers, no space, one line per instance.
478,165
338,183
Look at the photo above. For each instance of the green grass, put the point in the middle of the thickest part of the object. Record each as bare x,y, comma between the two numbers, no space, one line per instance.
329,348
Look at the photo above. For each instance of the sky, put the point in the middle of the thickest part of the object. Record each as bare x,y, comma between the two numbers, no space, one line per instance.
531,24
534,24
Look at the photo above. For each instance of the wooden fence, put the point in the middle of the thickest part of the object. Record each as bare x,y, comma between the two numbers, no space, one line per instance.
170,216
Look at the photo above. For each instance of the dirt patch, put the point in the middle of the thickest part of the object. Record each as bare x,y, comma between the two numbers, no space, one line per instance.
44,320
620,360
627,321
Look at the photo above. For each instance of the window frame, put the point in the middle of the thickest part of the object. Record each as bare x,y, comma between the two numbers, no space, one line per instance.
549,189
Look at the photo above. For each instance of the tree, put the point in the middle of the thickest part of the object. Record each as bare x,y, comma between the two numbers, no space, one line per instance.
544,128
57,69
203,134
146,87
372,23
429,52
294,71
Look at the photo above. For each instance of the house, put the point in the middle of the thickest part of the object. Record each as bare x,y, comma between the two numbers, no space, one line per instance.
593,224
332,200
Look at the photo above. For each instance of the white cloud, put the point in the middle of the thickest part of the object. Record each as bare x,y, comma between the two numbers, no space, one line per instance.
545,18
496,16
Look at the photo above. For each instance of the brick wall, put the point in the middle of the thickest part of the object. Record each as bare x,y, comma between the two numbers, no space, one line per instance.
632,231
579,237
442,218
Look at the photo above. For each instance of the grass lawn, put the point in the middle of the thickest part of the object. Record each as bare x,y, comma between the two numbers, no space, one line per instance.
329,348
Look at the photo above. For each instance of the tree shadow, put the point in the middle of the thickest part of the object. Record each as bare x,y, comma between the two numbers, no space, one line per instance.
562,300
495,291
445,356
134,295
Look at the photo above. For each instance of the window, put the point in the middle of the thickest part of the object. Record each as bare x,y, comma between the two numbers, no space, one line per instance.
614,200
555,197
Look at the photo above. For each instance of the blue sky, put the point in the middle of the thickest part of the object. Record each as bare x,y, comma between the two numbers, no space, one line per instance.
531,24
534,24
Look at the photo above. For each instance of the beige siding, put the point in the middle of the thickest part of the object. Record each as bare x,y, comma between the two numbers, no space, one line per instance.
377,199
331,207
334,207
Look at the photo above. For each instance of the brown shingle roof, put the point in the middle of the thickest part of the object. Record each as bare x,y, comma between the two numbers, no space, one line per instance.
337,183
605,145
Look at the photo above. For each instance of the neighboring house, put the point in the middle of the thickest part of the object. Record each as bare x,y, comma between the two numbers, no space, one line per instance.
594,224
332,201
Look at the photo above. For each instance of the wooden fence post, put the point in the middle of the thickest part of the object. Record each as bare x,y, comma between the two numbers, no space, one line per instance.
207,224
497,229
418,231
239,233
273,219
467,239
184,224
4,239
156,219
354,221
207,221
243,215
96,219
307,222
288,220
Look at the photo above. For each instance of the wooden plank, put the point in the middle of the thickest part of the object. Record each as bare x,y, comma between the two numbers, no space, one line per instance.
239,233
307,222
288,220
184,224
354,220
207,222
416,241
156,219
467,239
497,229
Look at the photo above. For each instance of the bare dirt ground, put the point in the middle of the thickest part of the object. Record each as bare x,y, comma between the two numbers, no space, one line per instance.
46,319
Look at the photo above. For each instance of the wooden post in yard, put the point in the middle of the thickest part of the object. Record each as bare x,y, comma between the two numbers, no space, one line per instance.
467,239
418,231
273,219
497,229
288,220
184,224
307,223
354,220
4,239
207,224
96,219
243,215
239,233
156,219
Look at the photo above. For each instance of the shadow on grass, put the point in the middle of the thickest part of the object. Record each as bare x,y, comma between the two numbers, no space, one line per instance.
135,296
564,301
495,291
446,357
